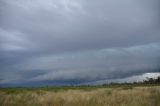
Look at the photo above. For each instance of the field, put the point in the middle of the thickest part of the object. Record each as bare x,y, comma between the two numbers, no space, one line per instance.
85,96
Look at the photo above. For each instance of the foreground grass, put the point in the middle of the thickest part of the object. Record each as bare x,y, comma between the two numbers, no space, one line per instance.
120,96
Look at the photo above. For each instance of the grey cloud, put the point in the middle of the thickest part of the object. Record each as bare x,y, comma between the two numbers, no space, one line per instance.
54,28
12,41
71,39
96,65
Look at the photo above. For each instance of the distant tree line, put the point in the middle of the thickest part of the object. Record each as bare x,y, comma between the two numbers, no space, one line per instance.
149,81
152,80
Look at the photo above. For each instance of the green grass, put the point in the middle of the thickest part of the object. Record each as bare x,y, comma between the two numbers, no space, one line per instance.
83,87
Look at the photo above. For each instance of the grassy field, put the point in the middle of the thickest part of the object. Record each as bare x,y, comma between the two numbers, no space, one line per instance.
81,96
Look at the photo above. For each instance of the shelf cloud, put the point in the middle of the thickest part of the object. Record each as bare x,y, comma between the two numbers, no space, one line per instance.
77,40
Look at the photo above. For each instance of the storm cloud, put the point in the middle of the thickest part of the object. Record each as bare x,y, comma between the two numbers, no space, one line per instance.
77,40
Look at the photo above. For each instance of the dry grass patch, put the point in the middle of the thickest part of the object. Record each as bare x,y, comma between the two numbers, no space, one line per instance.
139,96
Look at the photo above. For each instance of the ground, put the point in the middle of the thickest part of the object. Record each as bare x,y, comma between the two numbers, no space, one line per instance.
76,96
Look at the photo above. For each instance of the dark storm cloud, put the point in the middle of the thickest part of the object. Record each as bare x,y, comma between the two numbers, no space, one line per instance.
78,39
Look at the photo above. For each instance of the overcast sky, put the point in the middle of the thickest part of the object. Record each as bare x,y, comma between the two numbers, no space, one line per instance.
78,41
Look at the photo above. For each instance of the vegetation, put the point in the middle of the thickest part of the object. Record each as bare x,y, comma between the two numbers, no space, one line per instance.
114,94
131,96
152,81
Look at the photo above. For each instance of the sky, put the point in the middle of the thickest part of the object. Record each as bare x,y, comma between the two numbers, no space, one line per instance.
60,42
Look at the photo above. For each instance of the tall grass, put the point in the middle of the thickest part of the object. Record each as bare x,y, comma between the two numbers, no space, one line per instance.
124,96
